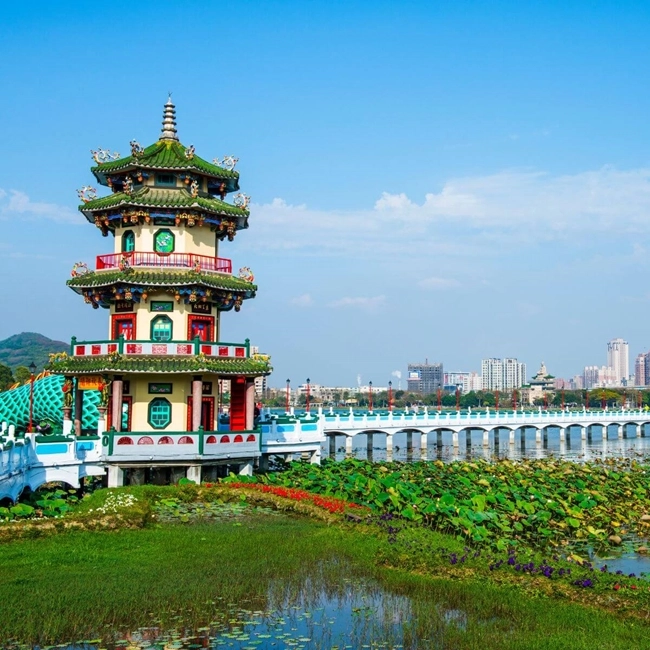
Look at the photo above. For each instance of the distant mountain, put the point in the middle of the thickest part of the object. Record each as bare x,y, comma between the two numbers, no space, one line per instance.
22,349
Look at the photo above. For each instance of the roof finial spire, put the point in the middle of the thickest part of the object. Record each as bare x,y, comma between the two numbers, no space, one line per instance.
169,121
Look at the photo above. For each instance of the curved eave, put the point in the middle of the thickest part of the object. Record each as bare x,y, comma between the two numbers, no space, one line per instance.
121,200
97,279
165,155
161,365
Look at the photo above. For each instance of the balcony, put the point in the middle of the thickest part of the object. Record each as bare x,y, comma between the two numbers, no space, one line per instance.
174,446
164,260
160,348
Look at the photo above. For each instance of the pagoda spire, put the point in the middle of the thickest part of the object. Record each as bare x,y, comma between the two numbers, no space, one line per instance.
169,121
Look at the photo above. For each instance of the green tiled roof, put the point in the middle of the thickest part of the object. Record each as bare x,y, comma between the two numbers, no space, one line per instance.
154,197
148,364
164,155
162,278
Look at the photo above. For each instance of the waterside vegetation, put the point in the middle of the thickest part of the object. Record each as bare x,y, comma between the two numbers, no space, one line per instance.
203,558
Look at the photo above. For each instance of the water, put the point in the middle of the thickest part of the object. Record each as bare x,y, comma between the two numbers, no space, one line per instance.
594,447
352,614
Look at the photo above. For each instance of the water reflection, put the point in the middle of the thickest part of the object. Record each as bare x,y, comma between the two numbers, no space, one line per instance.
525,443
314,614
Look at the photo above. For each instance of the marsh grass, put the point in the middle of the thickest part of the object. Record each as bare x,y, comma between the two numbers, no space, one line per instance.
88,585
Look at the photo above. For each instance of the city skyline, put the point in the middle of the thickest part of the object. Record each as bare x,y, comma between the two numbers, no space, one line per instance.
479,188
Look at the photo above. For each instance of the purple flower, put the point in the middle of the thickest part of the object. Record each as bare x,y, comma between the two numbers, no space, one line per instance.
511,560
583,583
619,573
603,569
632,575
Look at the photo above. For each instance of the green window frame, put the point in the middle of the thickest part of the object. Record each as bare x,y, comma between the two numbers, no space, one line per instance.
162,328
128,241
166,180
164,241
160,413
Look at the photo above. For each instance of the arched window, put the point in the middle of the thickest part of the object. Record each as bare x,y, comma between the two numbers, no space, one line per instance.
185,440
166,440
163,241
125,440
161,328
145,440
225,438
238,438
160,413
212,440
250,438
128,241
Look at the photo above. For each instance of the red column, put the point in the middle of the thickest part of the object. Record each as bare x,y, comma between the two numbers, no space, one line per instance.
197,401
116,415
250,404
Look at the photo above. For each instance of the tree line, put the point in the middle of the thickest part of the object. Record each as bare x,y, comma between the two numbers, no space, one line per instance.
9,377
593,398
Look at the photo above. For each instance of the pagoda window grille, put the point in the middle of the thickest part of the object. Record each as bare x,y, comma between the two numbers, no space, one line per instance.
128,242
166,180
160,413
163,241
162,328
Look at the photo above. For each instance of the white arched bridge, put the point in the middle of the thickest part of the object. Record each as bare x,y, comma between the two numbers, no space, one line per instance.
488,422
28,460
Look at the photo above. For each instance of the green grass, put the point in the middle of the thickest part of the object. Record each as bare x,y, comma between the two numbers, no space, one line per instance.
86,585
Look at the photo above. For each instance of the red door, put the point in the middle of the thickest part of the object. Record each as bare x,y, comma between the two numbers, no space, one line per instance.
127,411
207,413
124,326
238,404
201,327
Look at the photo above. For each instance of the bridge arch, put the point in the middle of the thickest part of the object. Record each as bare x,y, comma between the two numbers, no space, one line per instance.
39,475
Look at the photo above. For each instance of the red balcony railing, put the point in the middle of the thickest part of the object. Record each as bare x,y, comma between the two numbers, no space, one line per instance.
167,260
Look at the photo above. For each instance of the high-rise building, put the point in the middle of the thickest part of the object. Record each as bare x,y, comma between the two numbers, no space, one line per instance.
618,359
600,377
640,366
425,378
467,381
502,374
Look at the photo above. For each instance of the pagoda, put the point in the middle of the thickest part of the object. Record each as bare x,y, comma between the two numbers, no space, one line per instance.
161,369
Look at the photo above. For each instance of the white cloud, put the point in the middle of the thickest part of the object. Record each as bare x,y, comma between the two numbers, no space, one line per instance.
438,283
359,302
15,203
465,214
302,301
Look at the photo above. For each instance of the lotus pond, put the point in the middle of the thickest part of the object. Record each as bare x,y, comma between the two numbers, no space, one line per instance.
242,575
536,503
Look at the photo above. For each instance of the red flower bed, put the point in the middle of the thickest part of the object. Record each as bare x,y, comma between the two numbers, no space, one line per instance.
330,504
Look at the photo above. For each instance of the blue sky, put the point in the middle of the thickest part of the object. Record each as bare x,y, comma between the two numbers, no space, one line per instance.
441,180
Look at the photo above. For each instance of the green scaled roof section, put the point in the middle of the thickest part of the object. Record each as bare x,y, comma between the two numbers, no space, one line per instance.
165,155
154,197
161,278
154,364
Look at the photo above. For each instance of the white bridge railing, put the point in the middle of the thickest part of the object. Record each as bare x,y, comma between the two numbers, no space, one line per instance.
458,420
